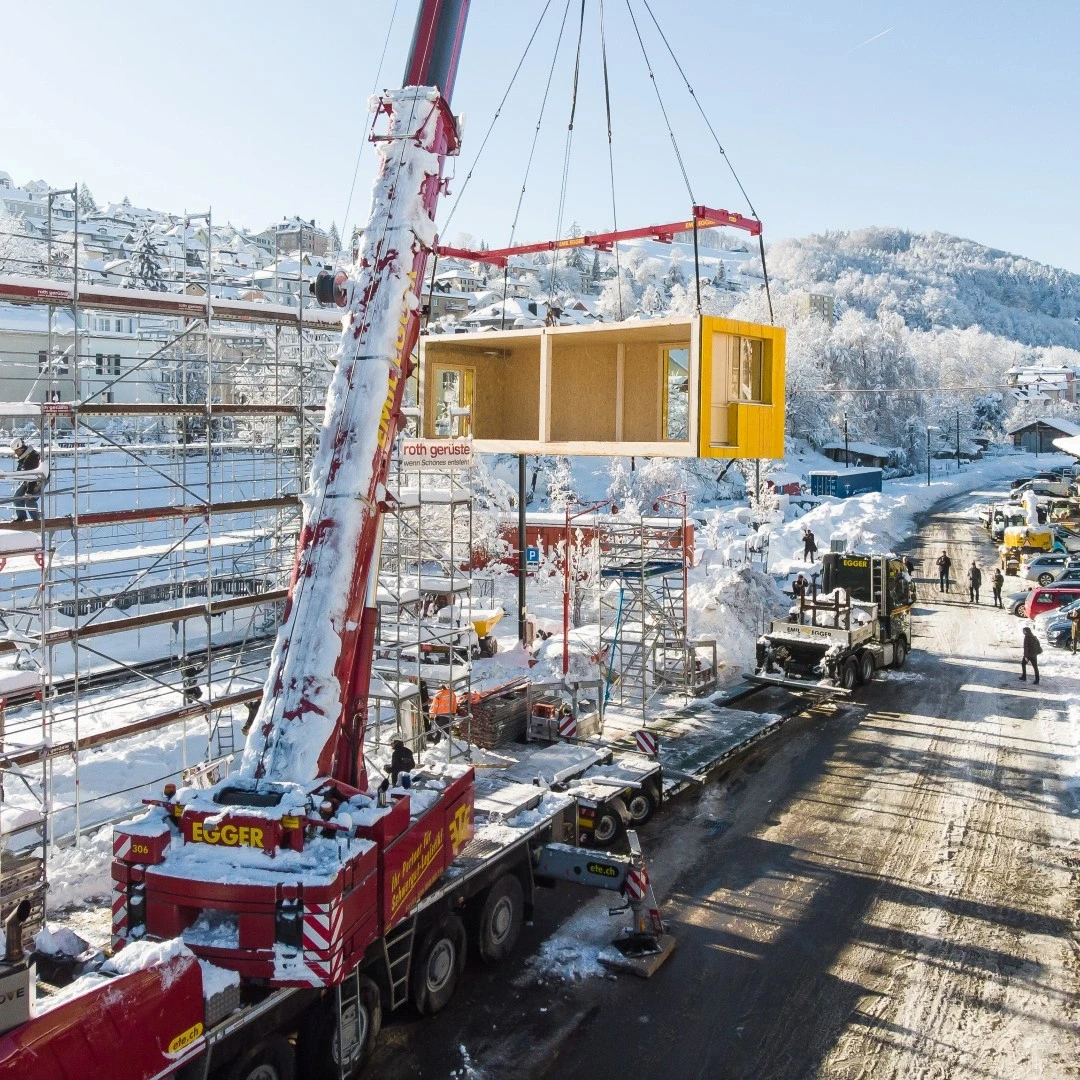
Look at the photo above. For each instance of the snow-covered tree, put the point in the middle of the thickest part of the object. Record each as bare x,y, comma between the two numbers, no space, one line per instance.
87,205
333,238
144,268
652,300
676,272
125,202
562,488
19,252
617,298
719,276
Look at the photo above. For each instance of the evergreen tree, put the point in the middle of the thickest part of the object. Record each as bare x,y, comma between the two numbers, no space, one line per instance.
594,270
334,238
87,205
354,239
144,269
675,274
719,274
125,201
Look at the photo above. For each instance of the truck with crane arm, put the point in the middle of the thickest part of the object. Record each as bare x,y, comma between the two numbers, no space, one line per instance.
295,901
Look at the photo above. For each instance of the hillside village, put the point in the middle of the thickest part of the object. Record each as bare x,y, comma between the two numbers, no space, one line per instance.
872,309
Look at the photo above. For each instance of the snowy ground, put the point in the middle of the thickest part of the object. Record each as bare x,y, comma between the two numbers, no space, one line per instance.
726,603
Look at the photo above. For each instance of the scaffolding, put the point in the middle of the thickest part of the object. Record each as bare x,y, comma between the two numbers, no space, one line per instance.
643,615
175,429
426,641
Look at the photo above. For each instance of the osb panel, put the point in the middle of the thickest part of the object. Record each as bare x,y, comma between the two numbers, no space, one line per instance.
583,389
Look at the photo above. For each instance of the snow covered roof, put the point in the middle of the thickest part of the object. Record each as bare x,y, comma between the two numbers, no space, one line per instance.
1070,444
1066,427
868,448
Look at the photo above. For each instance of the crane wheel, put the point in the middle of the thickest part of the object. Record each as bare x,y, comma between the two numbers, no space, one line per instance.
499,920
866,668
899,652
318,1042
272,1059
438,965
849,675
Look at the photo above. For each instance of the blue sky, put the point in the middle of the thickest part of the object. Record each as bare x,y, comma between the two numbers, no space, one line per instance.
960,116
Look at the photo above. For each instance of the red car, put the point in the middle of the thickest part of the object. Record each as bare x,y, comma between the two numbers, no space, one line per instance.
1052,596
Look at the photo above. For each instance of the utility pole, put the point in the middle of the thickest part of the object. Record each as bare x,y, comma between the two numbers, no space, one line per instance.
847,455
522,567
957,440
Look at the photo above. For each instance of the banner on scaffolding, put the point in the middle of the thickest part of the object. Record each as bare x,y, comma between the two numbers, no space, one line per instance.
437,453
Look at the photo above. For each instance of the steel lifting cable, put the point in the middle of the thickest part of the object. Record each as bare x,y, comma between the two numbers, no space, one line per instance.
611,157
364,141
719,146
660,101
566,154
495,118
532,154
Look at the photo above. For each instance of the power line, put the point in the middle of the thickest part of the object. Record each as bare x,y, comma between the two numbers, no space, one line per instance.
903,389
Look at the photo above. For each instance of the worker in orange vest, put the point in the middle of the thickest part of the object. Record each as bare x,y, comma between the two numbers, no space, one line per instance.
444,703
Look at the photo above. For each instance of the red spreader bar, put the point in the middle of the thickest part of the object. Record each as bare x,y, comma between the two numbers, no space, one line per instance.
704,218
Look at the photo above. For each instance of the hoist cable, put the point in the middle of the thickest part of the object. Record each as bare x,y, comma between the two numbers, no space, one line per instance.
495,118
364,141
532,148
697,103
566,154
660,102
611,158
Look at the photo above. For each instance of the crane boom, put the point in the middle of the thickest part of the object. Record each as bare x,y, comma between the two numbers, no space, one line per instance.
312,715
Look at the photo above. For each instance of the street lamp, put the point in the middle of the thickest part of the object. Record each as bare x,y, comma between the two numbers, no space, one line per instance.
566,576
929,428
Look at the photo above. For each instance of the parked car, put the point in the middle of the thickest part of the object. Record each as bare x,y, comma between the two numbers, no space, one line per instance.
1059,633
1015,602
1042,623
1046,569
1050,489
1042,599
1019,482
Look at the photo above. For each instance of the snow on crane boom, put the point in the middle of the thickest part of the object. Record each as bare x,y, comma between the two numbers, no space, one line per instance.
293,869
311,719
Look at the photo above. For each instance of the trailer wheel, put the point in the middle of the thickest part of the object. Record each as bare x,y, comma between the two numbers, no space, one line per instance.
849,675
899,652
501,916
438,966
272,1059
642,805
318,1043
866,667
607,828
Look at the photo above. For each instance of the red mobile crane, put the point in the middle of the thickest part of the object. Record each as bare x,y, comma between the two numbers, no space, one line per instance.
296,898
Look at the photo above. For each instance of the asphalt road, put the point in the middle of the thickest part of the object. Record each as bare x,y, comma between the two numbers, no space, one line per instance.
888,891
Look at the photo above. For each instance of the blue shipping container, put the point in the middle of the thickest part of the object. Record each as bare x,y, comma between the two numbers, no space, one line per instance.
843,483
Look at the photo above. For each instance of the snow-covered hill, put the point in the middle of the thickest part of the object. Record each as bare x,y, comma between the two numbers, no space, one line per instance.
934,280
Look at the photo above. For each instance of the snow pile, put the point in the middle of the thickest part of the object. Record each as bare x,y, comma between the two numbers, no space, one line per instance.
58,941
583,654
216,980
879,521
573,953
143,955
80,875
732,606
303,698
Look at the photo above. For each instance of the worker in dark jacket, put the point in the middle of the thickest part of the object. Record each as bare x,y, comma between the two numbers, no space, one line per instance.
401,761
944,564
998,582
799,587
28,492
1032,648
974,583
809,545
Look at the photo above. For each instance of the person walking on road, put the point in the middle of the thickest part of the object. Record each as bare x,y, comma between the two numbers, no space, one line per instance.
974,583
809,545
998,582
944,564
1032,648
1074,628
